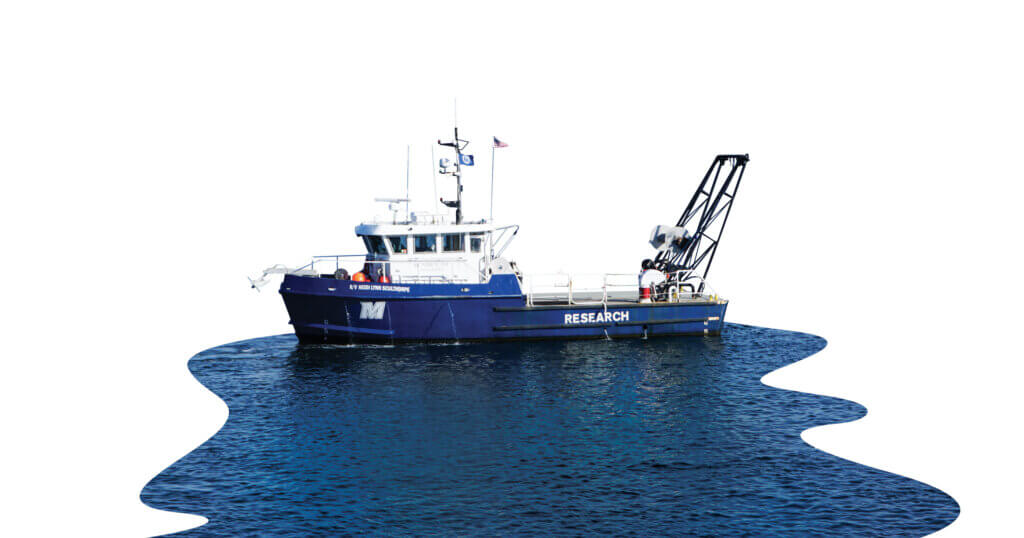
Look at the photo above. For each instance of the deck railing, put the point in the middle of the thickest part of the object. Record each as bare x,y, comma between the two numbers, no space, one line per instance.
599,289
580,289
317,265
686,282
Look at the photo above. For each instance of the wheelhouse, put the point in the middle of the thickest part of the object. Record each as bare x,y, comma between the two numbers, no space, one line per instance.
433,252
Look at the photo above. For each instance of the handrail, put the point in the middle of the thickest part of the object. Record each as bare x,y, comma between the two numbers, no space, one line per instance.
504,230
681,280
573,290
311,266
573,287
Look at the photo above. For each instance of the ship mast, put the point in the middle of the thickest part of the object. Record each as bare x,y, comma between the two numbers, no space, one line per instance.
459,145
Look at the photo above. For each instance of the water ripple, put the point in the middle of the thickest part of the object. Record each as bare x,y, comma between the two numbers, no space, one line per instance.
667,436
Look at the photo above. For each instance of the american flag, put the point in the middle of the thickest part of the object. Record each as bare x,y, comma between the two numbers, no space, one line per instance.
499,143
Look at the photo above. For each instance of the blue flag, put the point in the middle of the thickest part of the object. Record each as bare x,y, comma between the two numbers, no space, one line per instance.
466,160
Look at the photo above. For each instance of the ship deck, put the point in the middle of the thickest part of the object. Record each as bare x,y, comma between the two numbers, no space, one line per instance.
553,304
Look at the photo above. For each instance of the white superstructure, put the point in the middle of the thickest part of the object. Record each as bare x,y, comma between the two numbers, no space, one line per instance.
428,249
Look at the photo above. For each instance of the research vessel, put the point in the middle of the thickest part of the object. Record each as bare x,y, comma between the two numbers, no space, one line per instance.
428,277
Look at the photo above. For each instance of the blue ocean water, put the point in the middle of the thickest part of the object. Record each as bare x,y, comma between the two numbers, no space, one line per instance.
673,436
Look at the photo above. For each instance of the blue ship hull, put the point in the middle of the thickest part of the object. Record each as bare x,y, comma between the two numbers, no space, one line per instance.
326,310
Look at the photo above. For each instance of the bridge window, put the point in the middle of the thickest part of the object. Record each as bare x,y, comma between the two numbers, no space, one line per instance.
399,244
426,243
375,244
476,242
454,243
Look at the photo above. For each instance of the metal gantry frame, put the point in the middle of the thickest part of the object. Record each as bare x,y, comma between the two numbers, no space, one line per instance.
710,205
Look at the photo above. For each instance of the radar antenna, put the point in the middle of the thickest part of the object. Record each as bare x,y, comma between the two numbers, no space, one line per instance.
443,164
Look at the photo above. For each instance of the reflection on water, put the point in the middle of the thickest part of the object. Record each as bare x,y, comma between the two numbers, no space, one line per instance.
665,436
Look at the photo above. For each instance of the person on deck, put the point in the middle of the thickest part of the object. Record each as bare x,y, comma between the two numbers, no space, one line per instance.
649,278
374,272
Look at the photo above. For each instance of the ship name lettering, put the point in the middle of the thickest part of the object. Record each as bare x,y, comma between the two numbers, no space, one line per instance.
378,287
596,317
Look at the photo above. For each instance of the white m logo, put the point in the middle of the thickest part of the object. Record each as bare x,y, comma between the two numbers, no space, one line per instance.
371,310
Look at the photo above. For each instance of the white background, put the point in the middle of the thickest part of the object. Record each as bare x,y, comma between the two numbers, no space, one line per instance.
153,155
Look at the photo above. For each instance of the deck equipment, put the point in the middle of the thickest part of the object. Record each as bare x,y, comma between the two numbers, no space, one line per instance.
689,254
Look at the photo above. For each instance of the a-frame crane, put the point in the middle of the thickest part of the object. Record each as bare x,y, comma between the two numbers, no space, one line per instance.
687,249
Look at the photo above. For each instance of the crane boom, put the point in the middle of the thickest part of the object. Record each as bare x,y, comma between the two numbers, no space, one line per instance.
688,248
